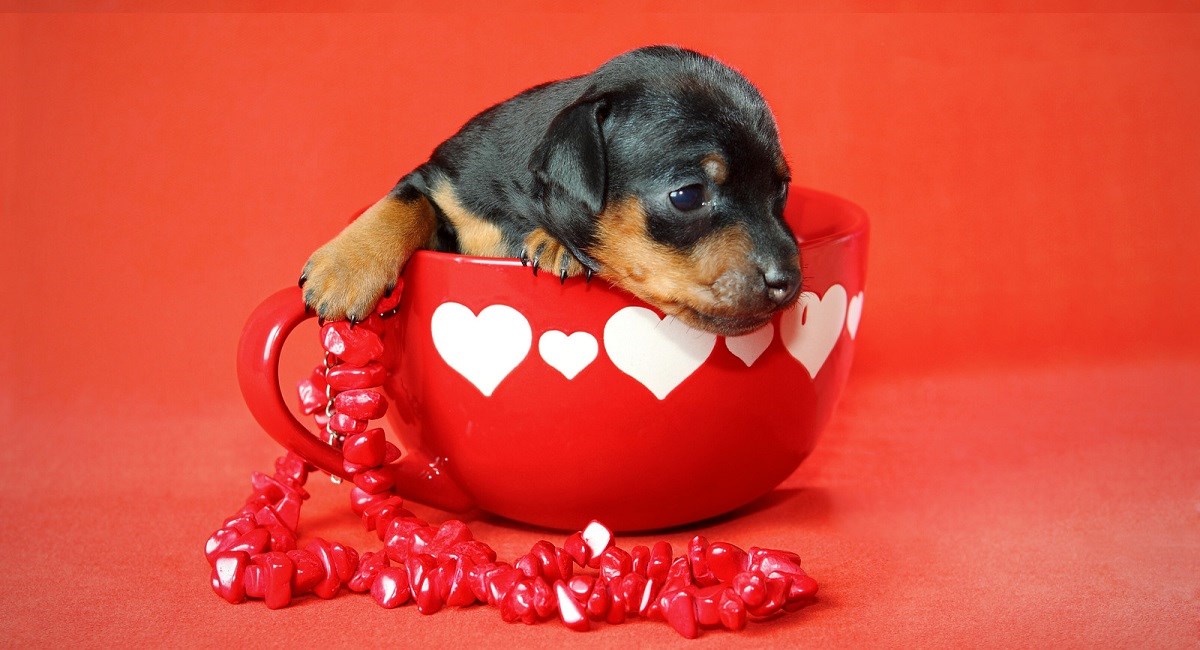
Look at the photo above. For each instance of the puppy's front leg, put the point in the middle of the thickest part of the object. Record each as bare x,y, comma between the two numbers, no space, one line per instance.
346,277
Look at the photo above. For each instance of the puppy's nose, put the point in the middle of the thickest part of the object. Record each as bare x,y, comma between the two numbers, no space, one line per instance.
782,284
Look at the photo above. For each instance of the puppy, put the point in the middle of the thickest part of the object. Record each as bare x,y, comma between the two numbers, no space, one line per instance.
660,172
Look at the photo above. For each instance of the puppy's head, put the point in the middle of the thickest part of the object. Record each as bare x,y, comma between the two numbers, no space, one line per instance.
666,177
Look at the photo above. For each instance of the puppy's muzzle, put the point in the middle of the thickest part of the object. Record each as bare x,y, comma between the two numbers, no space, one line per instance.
782,284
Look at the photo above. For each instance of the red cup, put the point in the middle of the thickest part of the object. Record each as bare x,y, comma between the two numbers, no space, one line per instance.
554,404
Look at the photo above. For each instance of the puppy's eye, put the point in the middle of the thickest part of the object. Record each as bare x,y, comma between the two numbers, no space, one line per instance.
688,198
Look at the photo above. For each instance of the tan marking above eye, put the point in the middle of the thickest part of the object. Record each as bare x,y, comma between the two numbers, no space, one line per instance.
716,167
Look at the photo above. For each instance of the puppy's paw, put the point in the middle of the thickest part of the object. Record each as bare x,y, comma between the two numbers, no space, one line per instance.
342,281
545,253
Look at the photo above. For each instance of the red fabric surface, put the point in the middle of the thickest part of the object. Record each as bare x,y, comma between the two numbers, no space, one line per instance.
1015,458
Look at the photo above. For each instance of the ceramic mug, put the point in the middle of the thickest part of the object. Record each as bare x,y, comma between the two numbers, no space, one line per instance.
556,403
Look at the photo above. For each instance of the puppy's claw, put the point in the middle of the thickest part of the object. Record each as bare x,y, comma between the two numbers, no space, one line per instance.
587,275
524,257
303,279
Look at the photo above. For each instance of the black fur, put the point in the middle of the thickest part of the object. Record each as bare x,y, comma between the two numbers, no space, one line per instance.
557,155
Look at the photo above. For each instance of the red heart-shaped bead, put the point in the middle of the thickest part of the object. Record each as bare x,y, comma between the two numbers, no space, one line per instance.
477,551
708,604
578,549
219,542
312,397
618,607
543,598
345,424
368,567
726,560
732,611
751,587
361,403
697,554
282,538
360,500
680,612
419,565
374,482
768,561
278,570
378,516
641,559
518,603
390,587
292,467
570,612
253,542
347,377
599,602
451,533
582,585
543,553
660,561
478,580
804,589
598,538
354,345
528,565
777,587
366,448
309,571
461,593
328,586
615,562
499,581
632,587
228,575
427,597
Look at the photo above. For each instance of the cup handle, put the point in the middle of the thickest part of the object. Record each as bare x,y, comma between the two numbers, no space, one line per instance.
416,475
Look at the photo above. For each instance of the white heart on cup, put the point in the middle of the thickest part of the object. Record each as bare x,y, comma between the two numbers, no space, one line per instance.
749,347
568,354
659,354
854,314
483,348
811,330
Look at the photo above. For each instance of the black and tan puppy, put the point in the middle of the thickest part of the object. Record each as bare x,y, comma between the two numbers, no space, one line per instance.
661,172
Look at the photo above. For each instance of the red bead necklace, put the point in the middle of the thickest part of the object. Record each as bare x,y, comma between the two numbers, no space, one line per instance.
588,579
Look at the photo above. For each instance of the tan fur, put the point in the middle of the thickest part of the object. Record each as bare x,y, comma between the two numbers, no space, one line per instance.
702,279
550,254
476,236
715,167
347,276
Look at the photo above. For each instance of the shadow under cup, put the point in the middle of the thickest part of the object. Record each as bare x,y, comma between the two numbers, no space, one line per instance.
556,403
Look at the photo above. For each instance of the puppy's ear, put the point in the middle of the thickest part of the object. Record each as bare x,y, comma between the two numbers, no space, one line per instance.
570,172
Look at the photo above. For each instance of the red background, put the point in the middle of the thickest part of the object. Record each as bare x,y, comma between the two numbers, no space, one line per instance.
1014,461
